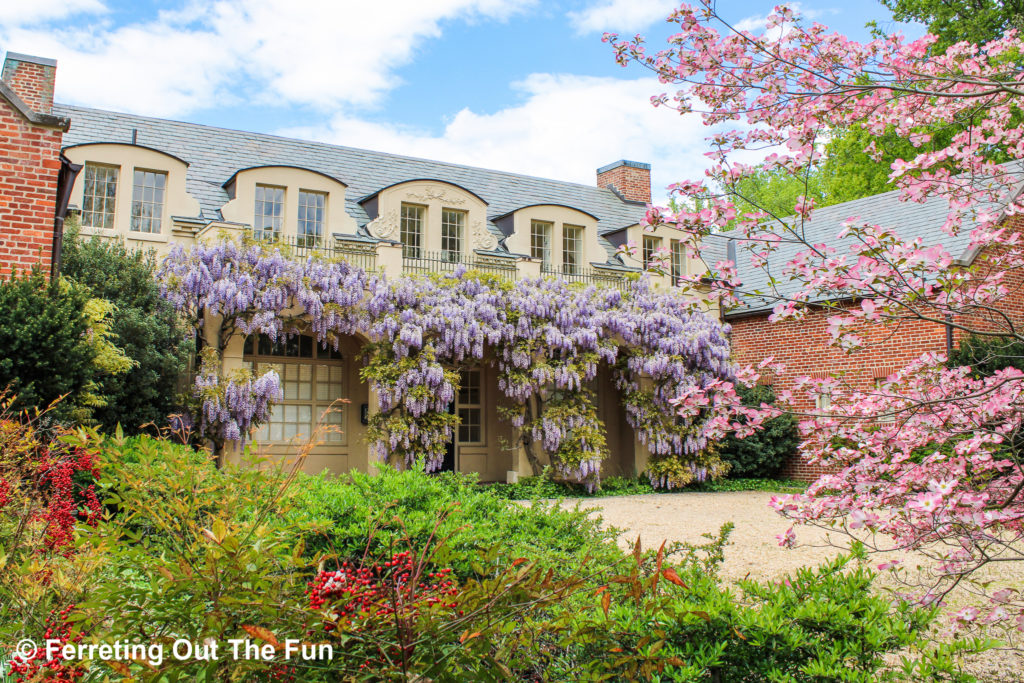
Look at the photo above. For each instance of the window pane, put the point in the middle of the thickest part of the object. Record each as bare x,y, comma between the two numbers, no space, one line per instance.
411,230
469,407
651,245
540,243
147,200
452,229
678,262
572,248
311,215
98,198
268,212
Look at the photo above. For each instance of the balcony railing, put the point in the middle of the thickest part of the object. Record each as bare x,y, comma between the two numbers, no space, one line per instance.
447,262
356,253
590,276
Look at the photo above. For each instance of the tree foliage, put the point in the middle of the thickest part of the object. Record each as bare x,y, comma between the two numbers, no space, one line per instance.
975,21
45,353
142,324
928,460
765,452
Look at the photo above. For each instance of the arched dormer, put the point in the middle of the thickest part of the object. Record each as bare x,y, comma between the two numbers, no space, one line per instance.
562,238
288,202
129,190
430,217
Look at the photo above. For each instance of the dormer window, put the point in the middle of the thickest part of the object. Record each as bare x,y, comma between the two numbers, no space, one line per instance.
269,213
411,230
453,227
678,262
99,196
312,206
572,248
651,246
148,200
540,242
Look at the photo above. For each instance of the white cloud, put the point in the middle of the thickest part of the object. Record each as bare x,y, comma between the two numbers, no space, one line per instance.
324,53
566,127
17,13
621,15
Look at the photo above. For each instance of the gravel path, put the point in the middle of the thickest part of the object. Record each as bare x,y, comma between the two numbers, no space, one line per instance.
754,551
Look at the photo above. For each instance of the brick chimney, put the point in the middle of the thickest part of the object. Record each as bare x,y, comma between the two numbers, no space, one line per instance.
631,180
31,78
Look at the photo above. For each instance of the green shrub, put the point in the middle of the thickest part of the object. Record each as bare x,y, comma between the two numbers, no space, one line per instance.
988,356
337,514
143,326
820,624
763,453
44,349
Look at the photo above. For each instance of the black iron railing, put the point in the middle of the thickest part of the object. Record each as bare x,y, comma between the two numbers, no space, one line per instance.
589,276
414,261
354,252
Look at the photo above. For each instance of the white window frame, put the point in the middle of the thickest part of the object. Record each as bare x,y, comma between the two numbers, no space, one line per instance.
411,230
452,234
572,249
314,216
319,362
260,229
463,404
107,200
649,251
156,203
678,262
540,242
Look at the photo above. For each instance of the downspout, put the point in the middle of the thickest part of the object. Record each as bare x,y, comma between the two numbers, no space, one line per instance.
65,181
949,335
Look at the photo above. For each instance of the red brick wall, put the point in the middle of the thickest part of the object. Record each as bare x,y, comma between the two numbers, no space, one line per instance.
631,182
29,165
33,82
803,347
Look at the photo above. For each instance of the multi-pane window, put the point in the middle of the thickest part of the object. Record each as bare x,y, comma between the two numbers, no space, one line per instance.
453,226
540,243
312,378
411,230
312,206
470,407
148,200
98,199
651,245
572,249
823,402
678,262
269,212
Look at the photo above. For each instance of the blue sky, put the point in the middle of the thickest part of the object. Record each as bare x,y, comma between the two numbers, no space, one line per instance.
522,85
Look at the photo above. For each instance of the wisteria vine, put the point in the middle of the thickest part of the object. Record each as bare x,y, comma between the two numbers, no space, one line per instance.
546,338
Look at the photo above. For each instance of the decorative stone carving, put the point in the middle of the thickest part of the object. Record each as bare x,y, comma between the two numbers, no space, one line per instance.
482,238
384,226
431,193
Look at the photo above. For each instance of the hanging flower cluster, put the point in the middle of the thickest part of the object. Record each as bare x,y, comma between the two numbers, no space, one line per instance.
546,338
230,407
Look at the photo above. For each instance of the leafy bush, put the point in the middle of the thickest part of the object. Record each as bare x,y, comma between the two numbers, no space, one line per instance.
47,494
988,356
44,349
419,577
763,453
143,325
336,514
541,487
657,623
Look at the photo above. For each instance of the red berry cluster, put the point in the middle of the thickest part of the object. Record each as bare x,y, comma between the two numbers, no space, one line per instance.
57,470
381,589
5,492
36,666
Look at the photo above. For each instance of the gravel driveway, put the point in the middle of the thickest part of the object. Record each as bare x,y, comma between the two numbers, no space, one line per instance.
754,550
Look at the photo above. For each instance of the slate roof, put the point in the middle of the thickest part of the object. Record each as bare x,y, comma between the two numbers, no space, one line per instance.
907,219
215,154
